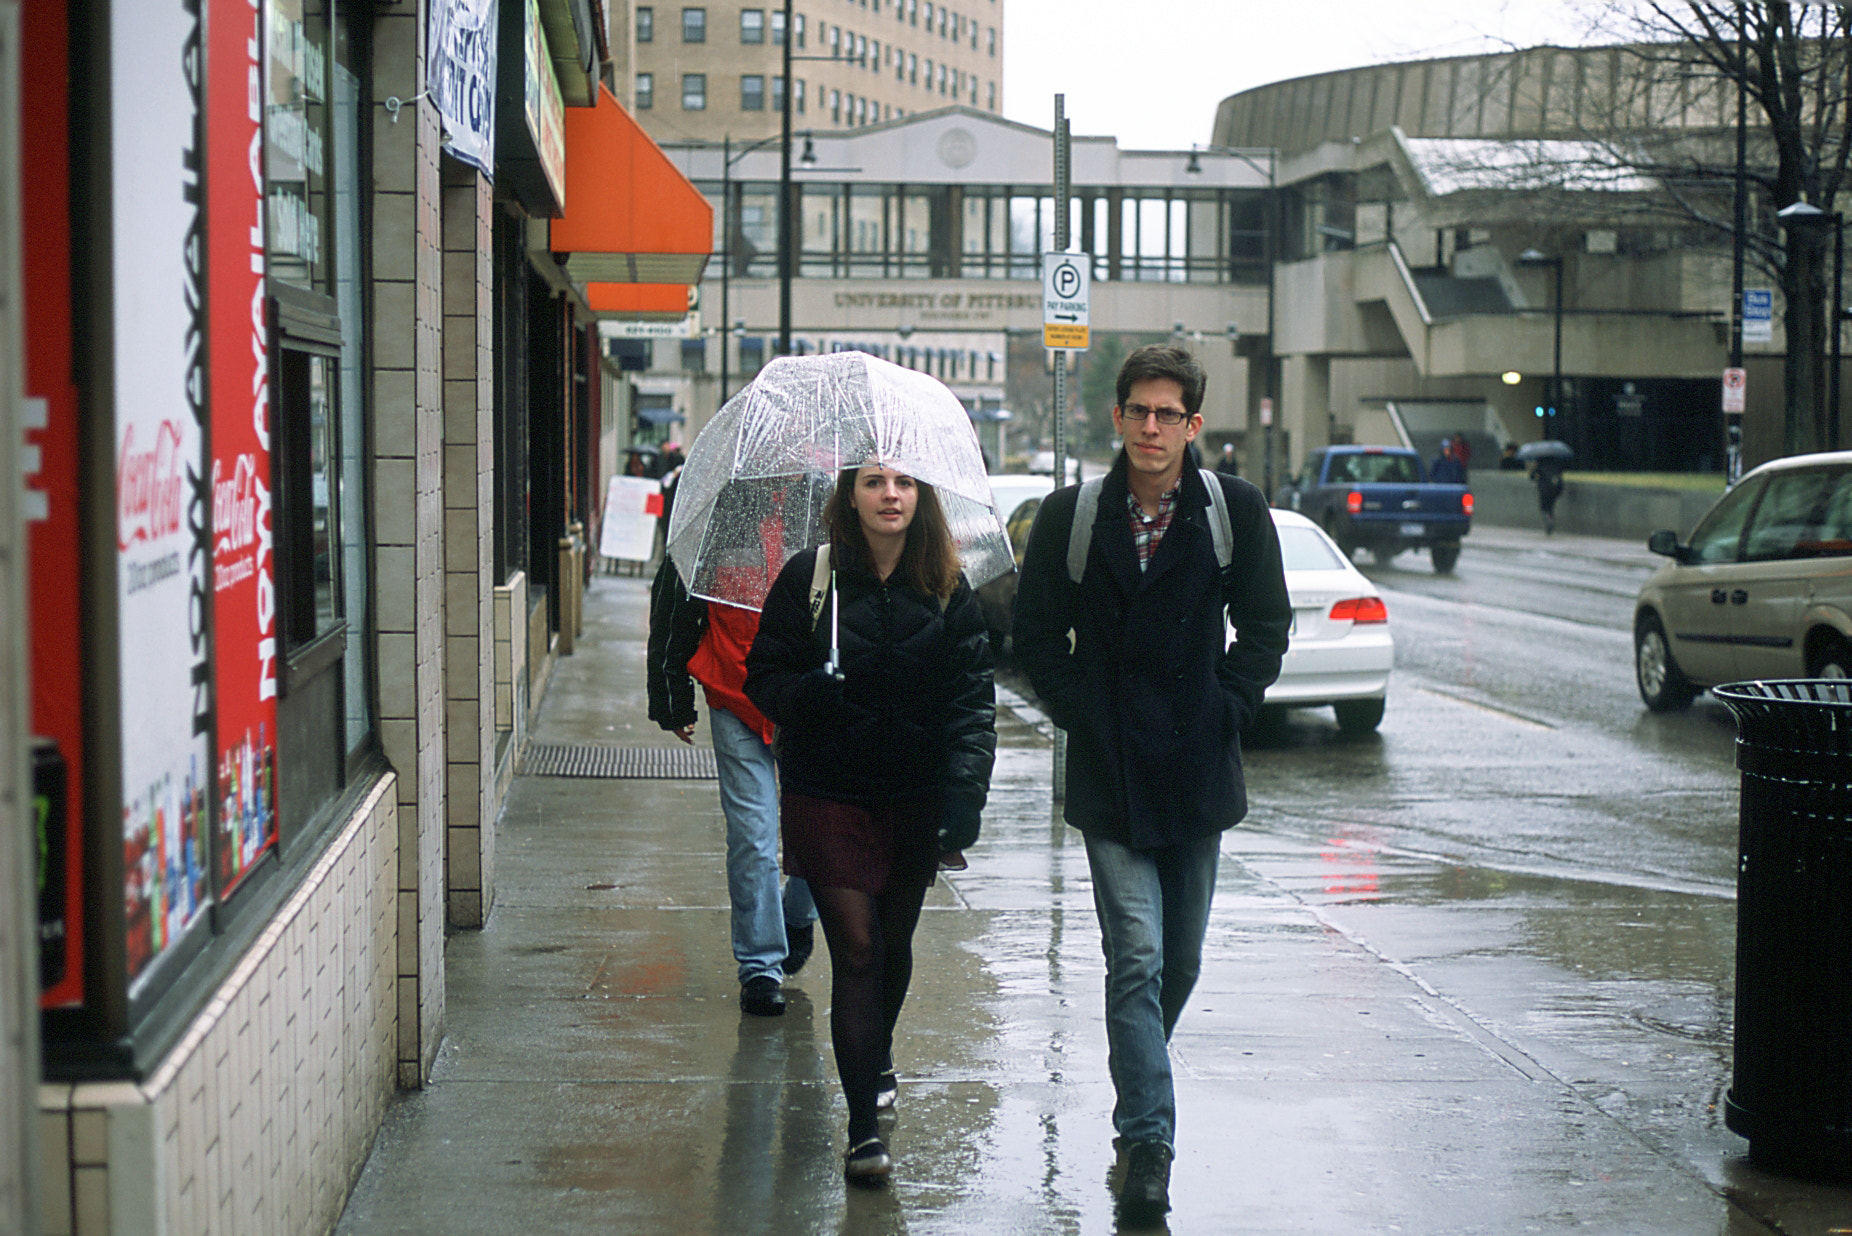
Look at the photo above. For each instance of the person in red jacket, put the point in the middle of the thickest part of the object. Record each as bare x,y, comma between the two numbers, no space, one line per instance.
692,640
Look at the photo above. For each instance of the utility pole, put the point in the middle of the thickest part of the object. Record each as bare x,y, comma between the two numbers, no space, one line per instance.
1060,479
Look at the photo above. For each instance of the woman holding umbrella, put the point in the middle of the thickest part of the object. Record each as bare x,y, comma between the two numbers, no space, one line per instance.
885,753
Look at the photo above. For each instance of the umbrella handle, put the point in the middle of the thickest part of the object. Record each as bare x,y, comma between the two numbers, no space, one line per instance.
834,664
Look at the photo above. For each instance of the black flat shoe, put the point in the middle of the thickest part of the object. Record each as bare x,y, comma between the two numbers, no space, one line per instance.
887,1091
1145,1195
867,1163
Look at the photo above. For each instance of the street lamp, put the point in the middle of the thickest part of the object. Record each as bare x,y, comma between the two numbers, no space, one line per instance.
1807,224
1270,256
727,159
1536,257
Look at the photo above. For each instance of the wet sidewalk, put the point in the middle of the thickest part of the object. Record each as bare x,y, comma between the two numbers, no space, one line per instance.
597,1075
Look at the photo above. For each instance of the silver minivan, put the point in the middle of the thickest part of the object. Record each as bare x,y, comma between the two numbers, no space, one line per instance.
1762,590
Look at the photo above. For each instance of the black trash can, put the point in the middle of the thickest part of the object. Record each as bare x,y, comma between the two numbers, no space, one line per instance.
1791,1092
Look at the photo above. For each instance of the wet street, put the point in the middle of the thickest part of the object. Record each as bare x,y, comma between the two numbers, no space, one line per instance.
1471,974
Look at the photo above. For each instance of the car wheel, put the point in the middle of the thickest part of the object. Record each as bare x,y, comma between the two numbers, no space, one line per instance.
1444,557
1663,686
1832,659
1359,716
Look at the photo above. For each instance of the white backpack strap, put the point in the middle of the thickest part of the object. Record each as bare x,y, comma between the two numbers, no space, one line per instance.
1221,527
1080,536
819,583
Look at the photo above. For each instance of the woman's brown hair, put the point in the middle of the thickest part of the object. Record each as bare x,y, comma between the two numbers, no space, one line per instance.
928,560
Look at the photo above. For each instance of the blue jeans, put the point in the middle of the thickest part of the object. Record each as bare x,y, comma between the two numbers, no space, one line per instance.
749,800
1153,907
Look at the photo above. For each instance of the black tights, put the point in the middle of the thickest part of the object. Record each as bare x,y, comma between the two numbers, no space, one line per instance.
871,962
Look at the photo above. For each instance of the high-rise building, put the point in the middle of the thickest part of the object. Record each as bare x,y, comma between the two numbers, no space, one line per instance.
709,71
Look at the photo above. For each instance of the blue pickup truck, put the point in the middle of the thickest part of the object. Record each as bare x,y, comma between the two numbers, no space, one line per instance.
1379,498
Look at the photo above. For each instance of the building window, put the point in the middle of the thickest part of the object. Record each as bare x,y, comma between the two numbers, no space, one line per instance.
913,11
928,16
991,38
942,17
694,92
646,91
752,25
800,29
835,42
752,92
873,58
990,95
929,75
694,25
835,107
798,101
778,27
913,67
778,94
646,24
694,356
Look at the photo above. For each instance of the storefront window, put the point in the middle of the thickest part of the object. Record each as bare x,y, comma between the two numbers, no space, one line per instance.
296,140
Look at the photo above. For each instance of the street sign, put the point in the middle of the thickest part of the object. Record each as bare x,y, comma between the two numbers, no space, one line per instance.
1065,289
1758,315
1735,387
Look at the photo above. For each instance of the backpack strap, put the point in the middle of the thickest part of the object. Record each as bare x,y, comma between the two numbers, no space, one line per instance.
1087,507
1221,527
1080,536
819,583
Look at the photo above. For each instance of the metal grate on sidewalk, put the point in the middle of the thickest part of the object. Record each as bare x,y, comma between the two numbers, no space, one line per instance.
620,763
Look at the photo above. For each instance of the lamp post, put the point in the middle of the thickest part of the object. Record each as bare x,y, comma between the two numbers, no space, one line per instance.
787,222
1806,225
727,227
1733,421
1536,257
1270,256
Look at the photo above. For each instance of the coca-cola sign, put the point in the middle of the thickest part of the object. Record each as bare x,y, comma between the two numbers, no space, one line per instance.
150,485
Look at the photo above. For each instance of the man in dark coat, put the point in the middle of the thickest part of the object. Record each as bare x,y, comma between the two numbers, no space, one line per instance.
1153,699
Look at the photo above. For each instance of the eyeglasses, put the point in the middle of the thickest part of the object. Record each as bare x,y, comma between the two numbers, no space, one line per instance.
1165,416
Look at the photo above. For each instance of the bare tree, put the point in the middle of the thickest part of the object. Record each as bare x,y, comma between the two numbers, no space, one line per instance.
1677,124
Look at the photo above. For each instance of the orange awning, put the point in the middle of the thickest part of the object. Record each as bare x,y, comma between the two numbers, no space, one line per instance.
631,216
648,302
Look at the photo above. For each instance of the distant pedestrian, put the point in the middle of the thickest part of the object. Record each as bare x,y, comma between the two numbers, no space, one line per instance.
885,760
1463,450
692,640
1547,475
1446,468
1227,464
1153,699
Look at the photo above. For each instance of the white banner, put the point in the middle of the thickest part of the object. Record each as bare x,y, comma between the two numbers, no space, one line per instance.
163,517
460,76
632,507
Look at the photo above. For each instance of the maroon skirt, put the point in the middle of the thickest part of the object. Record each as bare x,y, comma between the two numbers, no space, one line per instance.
867,849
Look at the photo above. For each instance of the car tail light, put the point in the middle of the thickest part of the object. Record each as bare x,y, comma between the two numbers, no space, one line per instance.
1353,501
1360,609
1466,503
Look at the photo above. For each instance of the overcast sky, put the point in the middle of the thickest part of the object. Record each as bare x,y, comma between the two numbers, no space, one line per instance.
1150,72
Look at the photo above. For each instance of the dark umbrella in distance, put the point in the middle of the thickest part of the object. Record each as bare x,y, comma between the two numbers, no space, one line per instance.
1548,449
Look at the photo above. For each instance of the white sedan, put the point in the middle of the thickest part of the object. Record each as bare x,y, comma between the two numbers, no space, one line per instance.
1341,651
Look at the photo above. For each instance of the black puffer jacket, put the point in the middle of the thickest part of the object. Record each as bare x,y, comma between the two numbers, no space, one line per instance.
915,714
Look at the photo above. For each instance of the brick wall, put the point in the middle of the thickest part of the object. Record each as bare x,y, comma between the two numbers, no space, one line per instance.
469,609
408,515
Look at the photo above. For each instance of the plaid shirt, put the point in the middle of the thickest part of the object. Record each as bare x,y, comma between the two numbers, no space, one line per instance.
1148,530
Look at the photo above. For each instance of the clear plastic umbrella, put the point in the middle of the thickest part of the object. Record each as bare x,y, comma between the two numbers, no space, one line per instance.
757,478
